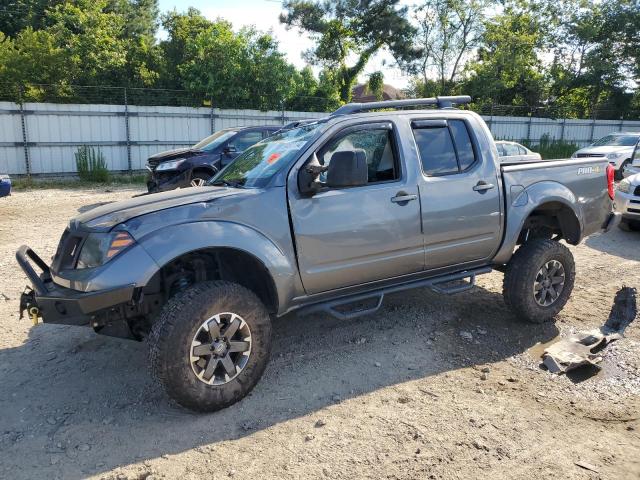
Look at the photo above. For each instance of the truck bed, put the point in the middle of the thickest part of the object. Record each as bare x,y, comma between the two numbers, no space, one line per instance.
581,183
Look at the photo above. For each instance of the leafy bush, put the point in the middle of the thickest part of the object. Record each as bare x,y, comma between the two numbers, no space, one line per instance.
91,165
550,148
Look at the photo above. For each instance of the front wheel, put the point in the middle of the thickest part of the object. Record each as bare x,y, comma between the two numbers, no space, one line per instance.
539,279
199,179
210,345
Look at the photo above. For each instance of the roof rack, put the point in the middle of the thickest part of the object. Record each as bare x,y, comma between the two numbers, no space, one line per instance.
440,102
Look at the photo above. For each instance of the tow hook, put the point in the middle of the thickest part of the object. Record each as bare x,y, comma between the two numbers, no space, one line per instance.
28,303
34,313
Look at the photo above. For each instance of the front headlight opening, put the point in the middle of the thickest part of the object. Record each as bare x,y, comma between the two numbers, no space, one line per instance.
624,186
170,165
99,248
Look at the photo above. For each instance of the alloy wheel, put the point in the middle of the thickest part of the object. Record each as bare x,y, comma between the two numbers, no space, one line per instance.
220,349
549,283
198,182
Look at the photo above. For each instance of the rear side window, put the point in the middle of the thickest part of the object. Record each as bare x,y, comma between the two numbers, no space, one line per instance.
445,150
463,144
436,151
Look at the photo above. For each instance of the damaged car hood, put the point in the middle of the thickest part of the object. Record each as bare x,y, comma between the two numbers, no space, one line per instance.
106,216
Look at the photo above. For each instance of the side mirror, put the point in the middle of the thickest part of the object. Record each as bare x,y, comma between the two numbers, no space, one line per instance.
229,149
348,169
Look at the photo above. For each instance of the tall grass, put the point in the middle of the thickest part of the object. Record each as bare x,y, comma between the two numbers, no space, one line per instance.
91,165
550,148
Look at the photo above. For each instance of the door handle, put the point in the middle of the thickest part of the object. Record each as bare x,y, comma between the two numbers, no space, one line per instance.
483,186
402,197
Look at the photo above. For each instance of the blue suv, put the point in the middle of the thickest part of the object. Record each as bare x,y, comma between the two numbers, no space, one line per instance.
193,166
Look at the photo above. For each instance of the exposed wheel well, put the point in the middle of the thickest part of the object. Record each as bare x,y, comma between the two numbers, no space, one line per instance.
551,220
211,264
206,170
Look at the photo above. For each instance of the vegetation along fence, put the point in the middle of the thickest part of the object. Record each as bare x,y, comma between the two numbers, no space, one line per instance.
42,138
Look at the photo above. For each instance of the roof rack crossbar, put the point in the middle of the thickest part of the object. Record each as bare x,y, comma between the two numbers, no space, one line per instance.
440,102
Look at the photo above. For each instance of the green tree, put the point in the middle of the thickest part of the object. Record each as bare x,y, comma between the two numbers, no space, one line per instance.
376,84
351,28
508,69
595,62
182,29
448,32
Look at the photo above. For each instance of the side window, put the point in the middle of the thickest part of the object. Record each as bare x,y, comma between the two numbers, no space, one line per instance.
244,140
445,148
522,150
511,150
464,147
378,146
500,148
436,151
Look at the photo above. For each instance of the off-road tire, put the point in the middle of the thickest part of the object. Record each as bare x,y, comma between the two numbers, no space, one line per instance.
520,276
172,333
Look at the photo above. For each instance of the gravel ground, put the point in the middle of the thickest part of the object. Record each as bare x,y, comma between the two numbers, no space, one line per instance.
429,387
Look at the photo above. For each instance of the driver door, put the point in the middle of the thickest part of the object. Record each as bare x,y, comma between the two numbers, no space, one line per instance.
350,236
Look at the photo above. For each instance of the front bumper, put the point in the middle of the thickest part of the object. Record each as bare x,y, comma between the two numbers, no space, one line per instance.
60,305
169,180
628,204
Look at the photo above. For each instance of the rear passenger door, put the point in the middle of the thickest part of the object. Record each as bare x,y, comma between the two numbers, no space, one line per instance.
459,194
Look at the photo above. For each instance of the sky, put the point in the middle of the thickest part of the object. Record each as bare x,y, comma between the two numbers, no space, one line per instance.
263,14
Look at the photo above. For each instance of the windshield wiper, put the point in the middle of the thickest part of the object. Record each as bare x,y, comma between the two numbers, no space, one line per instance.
228,183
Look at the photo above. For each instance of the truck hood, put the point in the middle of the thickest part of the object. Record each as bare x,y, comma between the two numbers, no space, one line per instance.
107,216
169,154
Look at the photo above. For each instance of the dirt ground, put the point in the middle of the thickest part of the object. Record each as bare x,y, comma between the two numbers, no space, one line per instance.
429,387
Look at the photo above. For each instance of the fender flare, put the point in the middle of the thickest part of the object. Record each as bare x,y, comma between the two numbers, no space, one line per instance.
526,201
170,243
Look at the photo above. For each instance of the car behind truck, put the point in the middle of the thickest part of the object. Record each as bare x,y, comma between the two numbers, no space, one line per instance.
329,215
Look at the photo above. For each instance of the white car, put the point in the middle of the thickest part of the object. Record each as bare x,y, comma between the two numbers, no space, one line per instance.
616,147
514,152
634,167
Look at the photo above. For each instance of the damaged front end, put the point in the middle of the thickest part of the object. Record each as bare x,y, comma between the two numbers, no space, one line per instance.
56,304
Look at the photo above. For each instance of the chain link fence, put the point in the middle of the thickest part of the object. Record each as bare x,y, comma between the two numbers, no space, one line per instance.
41,126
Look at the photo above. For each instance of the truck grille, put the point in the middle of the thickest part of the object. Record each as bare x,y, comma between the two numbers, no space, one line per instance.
590,155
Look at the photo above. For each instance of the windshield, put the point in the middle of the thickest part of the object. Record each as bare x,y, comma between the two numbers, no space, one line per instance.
215,140
256,165
617,141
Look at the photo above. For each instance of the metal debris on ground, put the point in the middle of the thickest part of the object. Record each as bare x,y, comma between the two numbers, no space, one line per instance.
584,348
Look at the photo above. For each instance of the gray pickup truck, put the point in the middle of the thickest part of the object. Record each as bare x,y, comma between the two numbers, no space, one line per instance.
328,215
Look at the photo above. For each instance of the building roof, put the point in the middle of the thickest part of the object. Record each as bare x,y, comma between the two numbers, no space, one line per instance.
361,93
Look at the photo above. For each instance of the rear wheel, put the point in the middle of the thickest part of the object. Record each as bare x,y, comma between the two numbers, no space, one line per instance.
538,280
210,345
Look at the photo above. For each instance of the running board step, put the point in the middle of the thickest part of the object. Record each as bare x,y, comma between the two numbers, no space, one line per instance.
446,284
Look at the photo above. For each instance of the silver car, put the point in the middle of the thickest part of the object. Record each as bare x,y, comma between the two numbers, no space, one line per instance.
634,167
514,152
627,199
